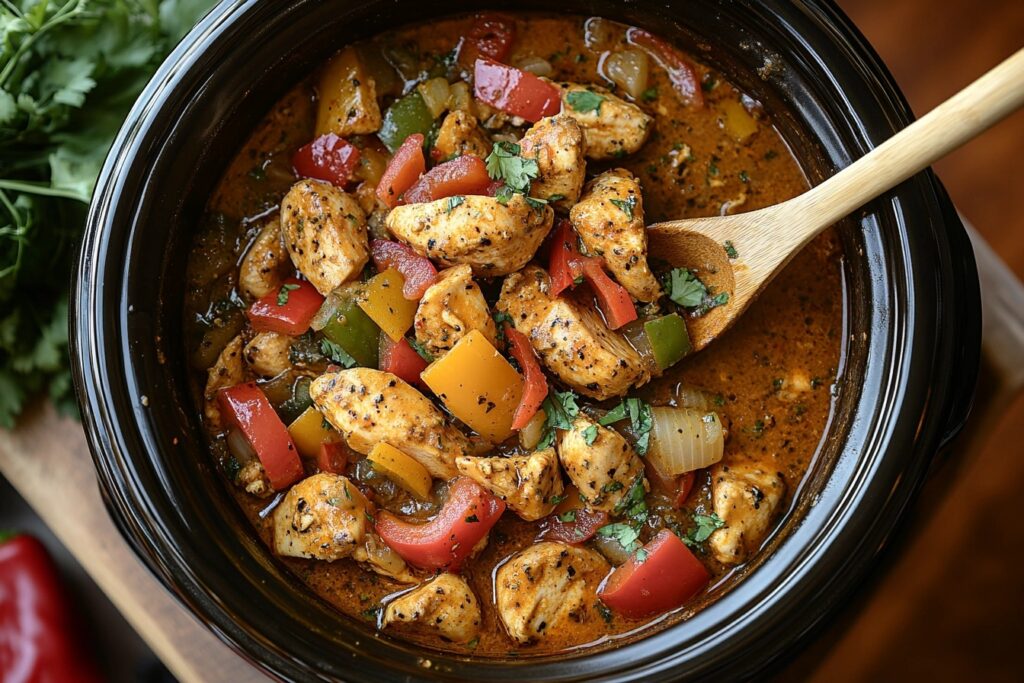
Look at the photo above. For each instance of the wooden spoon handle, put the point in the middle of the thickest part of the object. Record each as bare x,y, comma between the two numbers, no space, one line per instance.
971,111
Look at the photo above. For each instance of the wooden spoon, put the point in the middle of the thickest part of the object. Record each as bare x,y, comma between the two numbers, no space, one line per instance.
766,239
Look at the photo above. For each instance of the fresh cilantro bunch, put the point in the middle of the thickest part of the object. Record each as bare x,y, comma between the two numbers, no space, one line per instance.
69,72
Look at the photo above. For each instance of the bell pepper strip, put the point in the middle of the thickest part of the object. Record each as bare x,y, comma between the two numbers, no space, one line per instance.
401,469
535,384
407,116
677,488
334,457
346,97
402,171
247,409
477,385
401,360
466,174
419,273
449,538
490,36
327,158
289,310
309,430
387,306
612,297
564,247
680,72
661,576
514,91
353,330
40,637
579,526
668,338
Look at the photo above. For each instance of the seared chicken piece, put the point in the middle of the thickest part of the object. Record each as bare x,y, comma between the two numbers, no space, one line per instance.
323,517
449,309
527,483
491,237
444,606
370,406
557,144
226,372
571,339
546,587
253,478
746,497
265,263
614,128
325,233
600,462
609,218
267,354
382,559
460,134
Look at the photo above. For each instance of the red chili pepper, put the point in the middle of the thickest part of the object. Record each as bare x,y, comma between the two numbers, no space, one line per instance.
680,72
288,311
515,91
246,407
401,360
490,36
464,175
404,168
535,384
327,158
40,639
418,271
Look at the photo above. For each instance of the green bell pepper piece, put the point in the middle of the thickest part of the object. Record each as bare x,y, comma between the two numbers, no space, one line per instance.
353,330
668,338
299,401
404,117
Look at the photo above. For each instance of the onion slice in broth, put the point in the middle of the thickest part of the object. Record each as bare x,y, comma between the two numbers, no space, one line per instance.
684,439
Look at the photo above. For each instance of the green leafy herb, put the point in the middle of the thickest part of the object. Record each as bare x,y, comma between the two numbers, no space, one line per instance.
641,420
473,643
536,202
371,613
704,526
334,501
744,177
605,613
556,499
683,287
560,409
641,556
634,504
505,164
626,205
590,434
730,250
585,101
567,516
420,349
231,467
556,197
282,294
337,354
627,536
612,487
453,202
649,95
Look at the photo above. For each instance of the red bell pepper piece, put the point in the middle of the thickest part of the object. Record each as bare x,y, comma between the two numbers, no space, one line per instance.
448,539
515,91
40,638
334,457
535,384
246,408
400,359
327,158
463,175
680,72
288,311
581,529
613,298
490,36
676,488
662,576
405,167
563,249
418,271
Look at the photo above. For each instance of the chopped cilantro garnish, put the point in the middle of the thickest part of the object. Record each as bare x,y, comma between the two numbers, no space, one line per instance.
567,516
744,177
627,536
704,526
640,419
282,294
453,202
730,250
585,101
641,556
612,487
683,287
505,164
337,354
590,434
420,349
649,95
605,613
556,197
556,499
626,205
560,409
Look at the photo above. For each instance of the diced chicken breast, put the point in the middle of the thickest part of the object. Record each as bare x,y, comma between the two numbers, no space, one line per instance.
529,484
600,462
491,237
746,497
265,263
449,309
546,587
371,406
325,233
613,128
444,606
228,371
609,219
571,338
253,478
557,145
268,354
460,134
323,517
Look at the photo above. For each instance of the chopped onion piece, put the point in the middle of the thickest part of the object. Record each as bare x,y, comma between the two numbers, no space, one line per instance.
240,447
628,70
538,66
684,439
434,92
459,98
529,436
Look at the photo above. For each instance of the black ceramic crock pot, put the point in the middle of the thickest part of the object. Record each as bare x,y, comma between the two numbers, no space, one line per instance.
911,354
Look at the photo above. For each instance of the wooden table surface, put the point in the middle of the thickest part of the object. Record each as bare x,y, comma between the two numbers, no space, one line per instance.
948,608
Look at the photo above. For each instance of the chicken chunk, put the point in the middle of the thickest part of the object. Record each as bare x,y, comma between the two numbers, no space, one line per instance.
265,263
611,129
323,517
325,233
371,406
226,372
609,219
546,587
253,478
460,134
529,484
268,354
449,309
557,145
571,338
746,497
491,237
600,462
444,606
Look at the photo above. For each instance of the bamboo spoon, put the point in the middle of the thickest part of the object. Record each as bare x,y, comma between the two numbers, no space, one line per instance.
766,239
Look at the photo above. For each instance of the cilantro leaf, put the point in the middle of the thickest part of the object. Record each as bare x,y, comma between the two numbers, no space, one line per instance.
590,434
626,205
641,420
560,409
585,101
683,288
453,202
704,526
282,294
505,164
337,354
420,349
730,250
627,536
567,516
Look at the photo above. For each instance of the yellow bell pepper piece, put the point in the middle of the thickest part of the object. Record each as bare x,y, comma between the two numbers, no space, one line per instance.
347,97
387,306
478,385
309,430
401,469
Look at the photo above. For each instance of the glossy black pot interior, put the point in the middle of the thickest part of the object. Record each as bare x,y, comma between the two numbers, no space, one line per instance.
911,355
